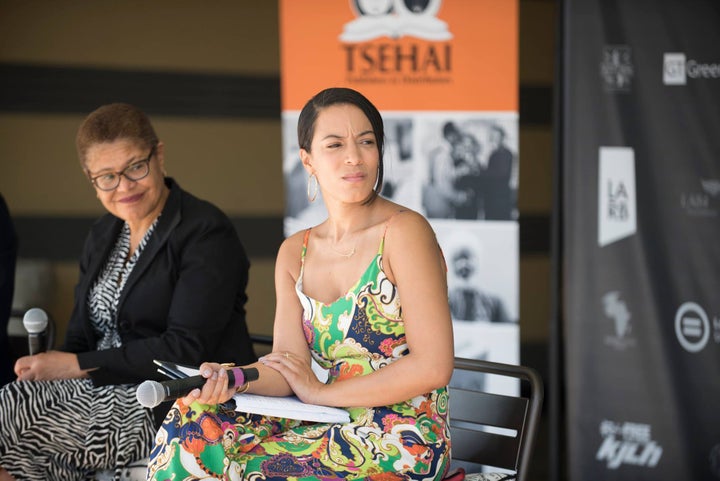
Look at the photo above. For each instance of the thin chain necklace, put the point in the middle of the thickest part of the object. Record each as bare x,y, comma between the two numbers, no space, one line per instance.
343,254
346,255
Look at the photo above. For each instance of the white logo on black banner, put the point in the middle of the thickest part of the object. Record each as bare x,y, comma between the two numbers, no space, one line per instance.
616,68
617,217
395,19
703,202
677,69
692,327
627,443
674,69
616,310
711,186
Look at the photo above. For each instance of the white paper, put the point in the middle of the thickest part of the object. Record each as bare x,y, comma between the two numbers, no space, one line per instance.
289,407
284,407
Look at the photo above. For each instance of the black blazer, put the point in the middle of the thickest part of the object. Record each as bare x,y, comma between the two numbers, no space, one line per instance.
184,300
8,257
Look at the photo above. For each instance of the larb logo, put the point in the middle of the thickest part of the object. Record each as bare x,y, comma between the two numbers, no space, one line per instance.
674,69
616,190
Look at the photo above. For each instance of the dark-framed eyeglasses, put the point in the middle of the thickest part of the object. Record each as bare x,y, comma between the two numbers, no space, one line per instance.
135,171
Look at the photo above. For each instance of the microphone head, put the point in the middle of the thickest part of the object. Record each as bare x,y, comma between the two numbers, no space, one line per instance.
35,320
150,394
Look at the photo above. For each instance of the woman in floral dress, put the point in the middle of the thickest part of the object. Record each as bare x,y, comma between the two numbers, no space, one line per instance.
364,294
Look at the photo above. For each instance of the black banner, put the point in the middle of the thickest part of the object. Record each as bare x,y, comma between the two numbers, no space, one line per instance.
640,150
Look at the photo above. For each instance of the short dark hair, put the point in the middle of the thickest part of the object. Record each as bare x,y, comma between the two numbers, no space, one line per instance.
450,128
342,96
499,130
112,122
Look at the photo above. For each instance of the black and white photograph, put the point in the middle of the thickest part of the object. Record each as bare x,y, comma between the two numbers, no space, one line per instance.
483,270
400,167
472,166
300,211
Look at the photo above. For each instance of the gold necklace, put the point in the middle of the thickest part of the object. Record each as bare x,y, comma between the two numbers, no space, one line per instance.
343,254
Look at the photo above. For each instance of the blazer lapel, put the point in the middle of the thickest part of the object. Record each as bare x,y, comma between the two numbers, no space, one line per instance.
106,233
169,219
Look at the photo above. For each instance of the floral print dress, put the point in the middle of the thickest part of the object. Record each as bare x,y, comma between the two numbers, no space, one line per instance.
355,335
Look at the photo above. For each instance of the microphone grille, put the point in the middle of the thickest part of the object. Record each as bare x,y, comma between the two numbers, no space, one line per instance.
150,394
35,320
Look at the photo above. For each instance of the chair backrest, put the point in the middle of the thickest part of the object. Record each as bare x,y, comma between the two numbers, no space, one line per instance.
496,430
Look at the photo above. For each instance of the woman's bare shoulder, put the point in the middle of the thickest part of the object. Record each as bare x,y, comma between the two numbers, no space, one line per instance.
406,231
403,221
291,247
410,244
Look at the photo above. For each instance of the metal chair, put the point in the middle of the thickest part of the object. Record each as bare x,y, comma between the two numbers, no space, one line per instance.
493,430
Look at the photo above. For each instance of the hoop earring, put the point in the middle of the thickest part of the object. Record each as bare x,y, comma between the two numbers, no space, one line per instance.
312,193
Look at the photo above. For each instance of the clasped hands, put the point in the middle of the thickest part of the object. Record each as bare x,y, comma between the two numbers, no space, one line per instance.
50,365
295,370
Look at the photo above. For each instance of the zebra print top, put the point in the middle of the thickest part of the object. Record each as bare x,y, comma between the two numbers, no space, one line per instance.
67,428
105,293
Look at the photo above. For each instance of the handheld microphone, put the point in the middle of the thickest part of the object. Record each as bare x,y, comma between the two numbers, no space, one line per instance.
152,393
35,321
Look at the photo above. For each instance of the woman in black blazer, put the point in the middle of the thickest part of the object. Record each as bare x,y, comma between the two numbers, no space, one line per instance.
162,276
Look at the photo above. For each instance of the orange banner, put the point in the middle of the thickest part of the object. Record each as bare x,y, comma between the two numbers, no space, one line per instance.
404,55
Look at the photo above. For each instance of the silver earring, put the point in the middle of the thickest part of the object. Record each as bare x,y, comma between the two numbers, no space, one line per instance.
312,192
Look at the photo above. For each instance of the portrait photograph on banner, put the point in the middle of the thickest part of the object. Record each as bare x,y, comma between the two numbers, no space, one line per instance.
482,265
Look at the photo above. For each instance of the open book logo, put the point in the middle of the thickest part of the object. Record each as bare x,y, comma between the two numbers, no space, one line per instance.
395,19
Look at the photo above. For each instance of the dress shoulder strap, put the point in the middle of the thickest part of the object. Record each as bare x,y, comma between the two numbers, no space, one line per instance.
387,224
306,237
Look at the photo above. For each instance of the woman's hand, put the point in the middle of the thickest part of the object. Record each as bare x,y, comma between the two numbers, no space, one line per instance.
215,390
297,373
49,365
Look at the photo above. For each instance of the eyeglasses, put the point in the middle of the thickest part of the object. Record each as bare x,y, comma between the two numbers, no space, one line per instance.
135,171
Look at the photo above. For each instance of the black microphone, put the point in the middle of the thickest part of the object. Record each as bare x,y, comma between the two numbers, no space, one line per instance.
35,321
152,393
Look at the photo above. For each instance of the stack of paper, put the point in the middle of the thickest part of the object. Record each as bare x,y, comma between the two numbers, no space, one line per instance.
289,407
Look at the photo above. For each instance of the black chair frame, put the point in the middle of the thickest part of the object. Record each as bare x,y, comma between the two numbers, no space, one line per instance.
496,430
